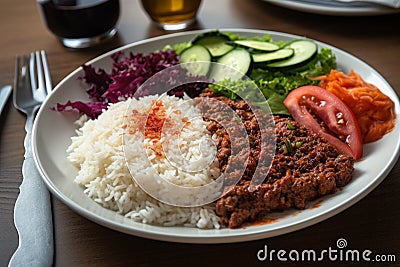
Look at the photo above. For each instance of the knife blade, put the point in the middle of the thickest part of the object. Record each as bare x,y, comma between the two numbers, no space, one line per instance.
5,92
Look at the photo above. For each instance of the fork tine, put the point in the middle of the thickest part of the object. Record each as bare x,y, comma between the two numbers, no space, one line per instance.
17,79
47,75
21,68
40,76
32,81
32,72
39,69
21,78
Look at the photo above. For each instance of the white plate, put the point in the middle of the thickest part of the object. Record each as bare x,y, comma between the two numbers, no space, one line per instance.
333,8
52,131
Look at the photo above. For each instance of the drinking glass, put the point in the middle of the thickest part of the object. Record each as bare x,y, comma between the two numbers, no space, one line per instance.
80,23
172,14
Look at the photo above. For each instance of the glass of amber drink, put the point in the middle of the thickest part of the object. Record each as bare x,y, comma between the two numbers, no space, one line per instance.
172,14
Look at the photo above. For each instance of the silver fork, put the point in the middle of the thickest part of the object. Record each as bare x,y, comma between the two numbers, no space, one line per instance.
32,211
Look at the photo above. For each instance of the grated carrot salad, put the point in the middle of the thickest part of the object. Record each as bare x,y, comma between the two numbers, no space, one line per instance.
373,109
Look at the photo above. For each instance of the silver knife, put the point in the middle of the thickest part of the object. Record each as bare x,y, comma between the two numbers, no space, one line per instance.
5,92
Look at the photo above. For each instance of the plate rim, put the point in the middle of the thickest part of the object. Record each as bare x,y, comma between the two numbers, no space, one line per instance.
321,9
203,239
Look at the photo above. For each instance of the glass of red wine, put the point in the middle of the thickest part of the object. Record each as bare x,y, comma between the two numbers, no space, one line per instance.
80,23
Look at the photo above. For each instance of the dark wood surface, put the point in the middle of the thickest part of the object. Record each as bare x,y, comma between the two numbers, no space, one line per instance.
372,223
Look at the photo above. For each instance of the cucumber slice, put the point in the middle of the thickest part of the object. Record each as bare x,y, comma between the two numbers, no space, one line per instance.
233,65
257,45
215,42
277,55
304,50
199,57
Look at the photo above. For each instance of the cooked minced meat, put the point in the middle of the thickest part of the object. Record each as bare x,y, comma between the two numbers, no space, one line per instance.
303,168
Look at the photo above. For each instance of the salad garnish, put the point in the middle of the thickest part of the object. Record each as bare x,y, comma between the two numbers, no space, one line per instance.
276,77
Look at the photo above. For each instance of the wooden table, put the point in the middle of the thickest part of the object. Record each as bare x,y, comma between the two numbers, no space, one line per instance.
372,223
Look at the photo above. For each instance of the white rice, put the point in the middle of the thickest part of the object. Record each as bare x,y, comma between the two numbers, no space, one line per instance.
99,153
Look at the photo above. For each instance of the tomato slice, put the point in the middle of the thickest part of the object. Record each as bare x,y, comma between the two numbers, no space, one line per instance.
329,117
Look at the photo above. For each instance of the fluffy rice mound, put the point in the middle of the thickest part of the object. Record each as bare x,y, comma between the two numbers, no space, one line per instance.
98,151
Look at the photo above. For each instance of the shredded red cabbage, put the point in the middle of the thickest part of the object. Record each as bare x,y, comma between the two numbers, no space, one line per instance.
91,109
127,75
